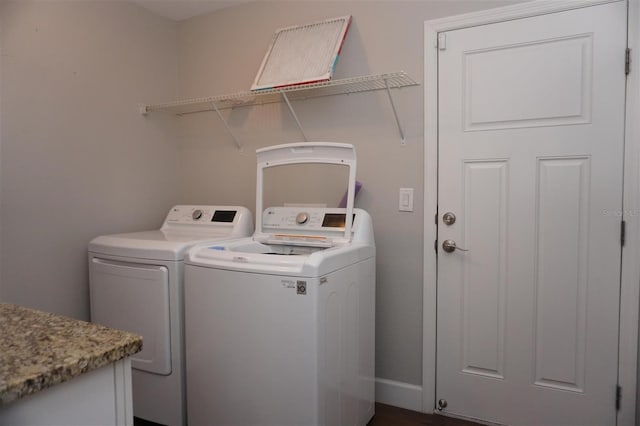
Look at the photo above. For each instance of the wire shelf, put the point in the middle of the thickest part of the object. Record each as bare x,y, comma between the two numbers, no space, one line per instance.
300,92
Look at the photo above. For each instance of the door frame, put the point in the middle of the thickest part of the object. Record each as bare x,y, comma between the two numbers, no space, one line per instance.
630,273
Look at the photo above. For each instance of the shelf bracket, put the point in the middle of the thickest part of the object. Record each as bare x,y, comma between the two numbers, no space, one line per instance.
293,114
226,125
395,113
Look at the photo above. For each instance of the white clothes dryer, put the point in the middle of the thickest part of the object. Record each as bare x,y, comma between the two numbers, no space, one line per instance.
280,327
136,284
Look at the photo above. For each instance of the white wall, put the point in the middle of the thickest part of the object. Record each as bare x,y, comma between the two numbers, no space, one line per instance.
220,53
77,158
1,120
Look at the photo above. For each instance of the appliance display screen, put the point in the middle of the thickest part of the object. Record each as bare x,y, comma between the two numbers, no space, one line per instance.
224,216
334,220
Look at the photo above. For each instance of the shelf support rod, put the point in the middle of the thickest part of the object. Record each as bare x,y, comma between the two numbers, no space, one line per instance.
395,113
293,114
226,125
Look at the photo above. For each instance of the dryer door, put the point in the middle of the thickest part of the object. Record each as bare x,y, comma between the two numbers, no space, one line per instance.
134,297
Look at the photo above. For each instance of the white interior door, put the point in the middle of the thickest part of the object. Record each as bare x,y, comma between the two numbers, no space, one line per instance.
531,120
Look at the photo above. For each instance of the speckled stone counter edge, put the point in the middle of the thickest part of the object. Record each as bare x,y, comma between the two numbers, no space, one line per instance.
39,349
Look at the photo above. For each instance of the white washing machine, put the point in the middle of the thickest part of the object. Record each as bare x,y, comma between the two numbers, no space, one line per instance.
136,284
280,327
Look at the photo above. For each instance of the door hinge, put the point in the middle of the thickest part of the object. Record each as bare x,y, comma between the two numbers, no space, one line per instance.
623,232
627,61
435,245
618,397
442,41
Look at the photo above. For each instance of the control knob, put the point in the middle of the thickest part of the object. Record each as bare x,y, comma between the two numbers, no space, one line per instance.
197,214
302,218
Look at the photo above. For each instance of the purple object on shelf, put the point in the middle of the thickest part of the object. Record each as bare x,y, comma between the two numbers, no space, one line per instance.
343,202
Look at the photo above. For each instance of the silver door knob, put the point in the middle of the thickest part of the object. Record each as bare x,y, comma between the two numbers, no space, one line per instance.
450,246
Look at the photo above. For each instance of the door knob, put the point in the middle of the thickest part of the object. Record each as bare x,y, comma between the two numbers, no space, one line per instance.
450,246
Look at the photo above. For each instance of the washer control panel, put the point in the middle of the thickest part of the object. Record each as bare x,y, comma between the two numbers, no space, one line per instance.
277,219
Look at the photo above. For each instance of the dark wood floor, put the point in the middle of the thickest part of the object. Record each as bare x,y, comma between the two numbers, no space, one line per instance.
386,415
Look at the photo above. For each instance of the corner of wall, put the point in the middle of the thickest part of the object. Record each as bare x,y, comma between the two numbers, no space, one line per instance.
2,4
399,394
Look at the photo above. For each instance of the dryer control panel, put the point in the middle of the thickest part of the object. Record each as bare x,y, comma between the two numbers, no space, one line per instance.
201,214
231,220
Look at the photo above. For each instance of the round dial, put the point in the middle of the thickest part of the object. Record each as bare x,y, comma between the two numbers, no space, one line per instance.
197,214
302,218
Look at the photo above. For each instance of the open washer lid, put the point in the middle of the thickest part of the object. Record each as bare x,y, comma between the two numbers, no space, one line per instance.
306,153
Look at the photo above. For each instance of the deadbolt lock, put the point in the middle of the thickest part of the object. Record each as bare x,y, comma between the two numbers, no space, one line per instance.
449,218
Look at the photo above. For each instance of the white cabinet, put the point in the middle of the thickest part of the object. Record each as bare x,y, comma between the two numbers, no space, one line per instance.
97,398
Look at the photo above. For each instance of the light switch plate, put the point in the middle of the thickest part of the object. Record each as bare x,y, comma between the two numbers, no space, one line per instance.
405,203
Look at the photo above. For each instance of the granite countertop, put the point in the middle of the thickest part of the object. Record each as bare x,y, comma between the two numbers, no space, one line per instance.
39,349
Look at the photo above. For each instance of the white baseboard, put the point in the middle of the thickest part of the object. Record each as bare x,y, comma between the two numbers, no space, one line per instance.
399,394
